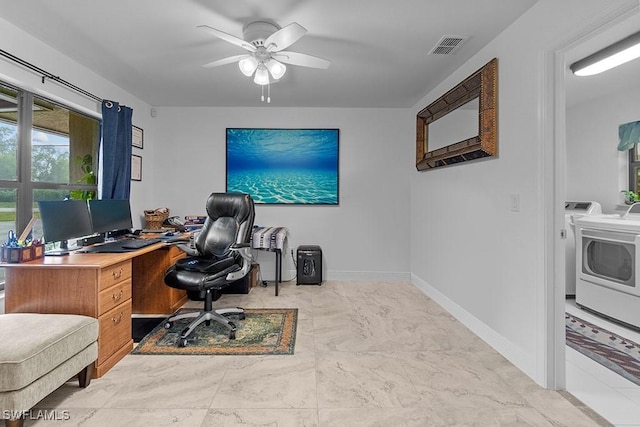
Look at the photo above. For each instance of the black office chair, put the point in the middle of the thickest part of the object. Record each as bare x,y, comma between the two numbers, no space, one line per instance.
221,256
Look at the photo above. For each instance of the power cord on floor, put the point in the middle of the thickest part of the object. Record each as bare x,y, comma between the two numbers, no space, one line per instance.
295,265
264,283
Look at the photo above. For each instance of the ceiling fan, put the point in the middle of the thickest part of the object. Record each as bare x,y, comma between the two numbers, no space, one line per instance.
265,58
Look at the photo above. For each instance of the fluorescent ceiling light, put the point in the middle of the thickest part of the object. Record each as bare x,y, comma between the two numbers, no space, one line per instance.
618,53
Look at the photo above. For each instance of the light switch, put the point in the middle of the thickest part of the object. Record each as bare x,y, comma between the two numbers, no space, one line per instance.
515,202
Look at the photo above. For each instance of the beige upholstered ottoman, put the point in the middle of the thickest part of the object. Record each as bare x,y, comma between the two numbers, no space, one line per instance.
39,353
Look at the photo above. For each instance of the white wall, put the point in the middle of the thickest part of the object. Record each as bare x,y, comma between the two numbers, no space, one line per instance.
366,236
469,250
596,170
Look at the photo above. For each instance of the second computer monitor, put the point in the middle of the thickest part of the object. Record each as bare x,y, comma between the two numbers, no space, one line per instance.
110,215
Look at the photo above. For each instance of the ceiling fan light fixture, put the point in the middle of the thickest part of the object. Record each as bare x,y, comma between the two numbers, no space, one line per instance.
262,76
618,53
265,59
276,68
248,65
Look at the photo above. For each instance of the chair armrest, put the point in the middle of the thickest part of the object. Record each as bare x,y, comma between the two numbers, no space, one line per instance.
244,250
188,249
239,246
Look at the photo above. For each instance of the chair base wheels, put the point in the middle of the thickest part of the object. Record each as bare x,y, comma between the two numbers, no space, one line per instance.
232,334
219,316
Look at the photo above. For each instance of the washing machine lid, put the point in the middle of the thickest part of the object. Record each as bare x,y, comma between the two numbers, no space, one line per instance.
612,222
586,208
633,212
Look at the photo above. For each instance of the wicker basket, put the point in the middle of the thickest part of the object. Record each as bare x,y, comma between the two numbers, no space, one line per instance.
155,218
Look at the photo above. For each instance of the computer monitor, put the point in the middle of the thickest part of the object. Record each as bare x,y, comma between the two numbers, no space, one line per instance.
63,220
110,216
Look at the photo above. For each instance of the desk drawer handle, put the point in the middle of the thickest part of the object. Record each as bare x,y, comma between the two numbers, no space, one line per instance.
117,319
117,274
118,297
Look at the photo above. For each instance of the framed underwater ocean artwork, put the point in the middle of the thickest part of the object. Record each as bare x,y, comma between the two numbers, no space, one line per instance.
284,166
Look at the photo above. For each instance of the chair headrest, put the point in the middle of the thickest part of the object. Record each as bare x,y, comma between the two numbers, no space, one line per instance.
236,205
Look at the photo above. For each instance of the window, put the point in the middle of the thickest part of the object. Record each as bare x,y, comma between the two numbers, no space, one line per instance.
47,152
634,169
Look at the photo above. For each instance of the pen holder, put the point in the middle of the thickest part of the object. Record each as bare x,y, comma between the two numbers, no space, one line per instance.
16,254
21,253
37,251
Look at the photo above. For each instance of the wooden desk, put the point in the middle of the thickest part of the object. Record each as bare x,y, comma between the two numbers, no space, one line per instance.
106,286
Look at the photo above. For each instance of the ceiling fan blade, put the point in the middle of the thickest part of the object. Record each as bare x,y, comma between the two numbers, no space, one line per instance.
229,38
225,61
284,37
301,59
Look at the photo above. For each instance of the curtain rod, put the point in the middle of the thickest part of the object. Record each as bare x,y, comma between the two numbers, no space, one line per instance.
47,75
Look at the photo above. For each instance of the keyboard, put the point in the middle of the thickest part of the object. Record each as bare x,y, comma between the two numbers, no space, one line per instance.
139,243
118,246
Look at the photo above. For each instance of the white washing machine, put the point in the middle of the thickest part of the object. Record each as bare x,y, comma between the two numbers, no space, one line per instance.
572,211
608,258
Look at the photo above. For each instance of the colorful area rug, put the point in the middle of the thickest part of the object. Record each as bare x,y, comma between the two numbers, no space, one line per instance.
612,351
263,331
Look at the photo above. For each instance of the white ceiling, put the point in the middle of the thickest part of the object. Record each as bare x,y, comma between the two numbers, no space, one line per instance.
378,48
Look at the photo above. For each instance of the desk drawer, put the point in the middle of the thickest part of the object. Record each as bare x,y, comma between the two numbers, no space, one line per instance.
113,274
114,296
115,330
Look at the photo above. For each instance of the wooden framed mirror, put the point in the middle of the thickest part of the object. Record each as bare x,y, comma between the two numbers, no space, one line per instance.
471,112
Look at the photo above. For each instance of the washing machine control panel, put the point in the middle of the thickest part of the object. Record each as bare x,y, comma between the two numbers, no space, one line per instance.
591,208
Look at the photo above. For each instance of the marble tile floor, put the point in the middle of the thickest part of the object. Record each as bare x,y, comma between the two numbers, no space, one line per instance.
607,393
367,354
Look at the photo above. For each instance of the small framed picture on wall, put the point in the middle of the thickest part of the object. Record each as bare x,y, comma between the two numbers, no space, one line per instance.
137,137
136,168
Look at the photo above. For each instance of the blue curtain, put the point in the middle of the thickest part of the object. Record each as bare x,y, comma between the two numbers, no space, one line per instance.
116,150
629,135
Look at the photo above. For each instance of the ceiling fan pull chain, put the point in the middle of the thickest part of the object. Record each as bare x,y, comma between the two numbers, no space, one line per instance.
262,97
269,93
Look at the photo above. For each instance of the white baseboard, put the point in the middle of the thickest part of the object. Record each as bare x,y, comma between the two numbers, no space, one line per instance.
375,276
522,360
267,271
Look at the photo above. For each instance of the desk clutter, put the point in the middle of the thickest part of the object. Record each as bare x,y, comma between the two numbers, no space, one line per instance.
154,218
194,222
158,219
23,248
21,252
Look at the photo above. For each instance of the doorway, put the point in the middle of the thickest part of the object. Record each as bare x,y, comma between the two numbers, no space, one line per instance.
591,169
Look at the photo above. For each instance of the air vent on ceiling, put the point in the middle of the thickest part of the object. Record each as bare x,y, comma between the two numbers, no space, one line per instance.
448,45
